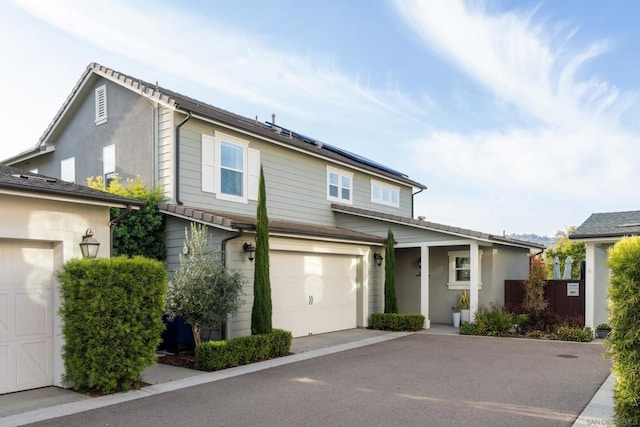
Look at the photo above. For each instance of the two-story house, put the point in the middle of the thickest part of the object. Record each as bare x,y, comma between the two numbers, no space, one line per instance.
329,209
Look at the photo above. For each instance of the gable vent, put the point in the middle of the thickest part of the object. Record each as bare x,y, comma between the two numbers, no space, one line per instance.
101,105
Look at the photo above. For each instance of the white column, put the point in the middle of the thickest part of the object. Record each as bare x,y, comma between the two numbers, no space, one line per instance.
474,283
424,285
590,286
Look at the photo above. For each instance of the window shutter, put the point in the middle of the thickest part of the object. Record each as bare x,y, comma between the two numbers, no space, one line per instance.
253,175
208,164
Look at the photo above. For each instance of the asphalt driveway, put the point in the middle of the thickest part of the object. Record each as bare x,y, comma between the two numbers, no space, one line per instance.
419,379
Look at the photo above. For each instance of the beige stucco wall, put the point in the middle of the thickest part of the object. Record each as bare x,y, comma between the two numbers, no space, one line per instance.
62,224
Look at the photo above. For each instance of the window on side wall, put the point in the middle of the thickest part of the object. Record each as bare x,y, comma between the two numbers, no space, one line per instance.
108,164
68,169
230,169
460,270
339,185
385,194
101,105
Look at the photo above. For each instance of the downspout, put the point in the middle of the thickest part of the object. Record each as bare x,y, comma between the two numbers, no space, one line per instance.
223,251
114,222
177,163
412,197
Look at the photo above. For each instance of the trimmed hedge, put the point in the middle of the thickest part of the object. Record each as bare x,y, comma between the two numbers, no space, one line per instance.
112,320
624,318
215,355
397,322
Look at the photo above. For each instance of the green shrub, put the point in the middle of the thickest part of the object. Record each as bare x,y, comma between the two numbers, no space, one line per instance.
536,333
568,333
112,320
493,321
523,323
624,318
397,322
468,328
216,355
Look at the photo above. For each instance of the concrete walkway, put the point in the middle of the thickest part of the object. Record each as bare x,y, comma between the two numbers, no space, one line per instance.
52,402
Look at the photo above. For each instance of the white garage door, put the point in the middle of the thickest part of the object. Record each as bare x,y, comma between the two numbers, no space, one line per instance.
26,274
313,293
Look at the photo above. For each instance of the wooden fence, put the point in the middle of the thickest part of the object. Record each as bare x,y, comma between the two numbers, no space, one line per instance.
566,297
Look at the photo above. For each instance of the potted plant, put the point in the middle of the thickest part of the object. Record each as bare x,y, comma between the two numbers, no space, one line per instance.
465,313
456,316
602,330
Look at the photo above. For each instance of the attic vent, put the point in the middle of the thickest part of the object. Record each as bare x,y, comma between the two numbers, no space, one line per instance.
34,178
101,105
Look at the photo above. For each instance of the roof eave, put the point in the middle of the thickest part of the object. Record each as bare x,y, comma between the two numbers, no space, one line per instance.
66,195
36,151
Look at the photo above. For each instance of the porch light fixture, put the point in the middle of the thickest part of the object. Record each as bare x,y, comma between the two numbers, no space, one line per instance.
89,246
250,249
378,259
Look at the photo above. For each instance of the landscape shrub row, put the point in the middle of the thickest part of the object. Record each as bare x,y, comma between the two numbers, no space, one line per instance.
497,321
112,320
397,322
215,355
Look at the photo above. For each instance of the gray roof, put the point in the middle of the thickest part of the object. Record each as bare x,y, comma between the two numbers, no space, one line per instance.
187,104
17,180
243,222
463,232
609,224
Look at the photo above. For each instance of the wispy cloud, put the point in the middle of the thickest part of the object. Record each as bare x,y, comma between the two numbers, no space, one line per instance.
229,61
573,149
516,58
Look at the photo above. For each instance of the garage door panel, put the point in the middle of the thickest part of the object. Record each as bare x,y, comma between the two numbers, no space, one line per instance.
313,293
26,315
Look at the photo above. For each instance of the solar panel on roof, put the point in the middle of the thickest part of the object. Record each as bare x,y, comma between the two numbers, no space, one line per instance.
335,149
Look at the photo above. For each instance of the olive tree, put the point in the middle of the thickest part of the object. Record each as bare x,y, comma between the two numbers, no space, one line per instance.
202,291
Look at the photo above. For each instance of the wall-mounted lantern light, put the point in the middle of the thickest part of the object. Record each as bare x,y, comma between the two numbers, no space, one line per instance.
378,258
250,249
89,246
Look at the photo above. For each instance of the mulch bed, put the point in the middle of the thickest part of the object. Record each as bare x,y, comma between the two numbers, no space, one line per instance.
182,360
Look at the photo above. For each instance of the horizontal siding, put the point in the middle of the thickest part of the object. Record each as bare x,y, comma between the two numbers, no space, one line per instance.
402,233
295,182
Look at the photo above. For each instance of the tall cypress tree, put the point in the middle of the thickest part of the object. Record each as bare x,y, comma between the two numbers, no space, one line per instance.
261,311
390,299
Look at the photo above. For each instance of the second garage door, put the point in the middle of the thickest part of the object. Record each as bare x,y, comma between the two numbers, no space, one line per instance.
313,293
25,315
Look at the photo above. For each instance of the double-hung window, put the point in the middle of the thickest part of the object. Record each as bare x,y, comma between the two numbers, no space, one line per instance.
385,194
68,169
460,269
108,164
339,185
230,169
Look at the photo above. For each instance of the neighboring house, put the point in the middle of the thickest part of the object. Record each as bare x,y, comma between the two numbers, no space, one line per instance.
42,224
599,233
329,209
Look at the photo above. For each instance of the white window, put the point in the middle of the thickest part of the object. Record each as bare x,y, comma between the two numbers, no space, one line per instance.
101,105
339,185
108,164
385,194
68,169
230,169
460,269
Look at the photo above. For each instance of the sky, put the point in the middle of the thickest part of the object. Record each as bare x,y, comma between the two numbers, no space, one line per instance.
519,116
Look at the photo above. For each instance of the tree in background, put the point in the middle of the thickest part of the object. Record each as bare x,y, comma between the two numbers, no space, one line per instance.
564,248
390,299
143,231
202,291
262,308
